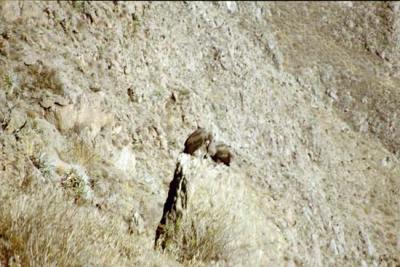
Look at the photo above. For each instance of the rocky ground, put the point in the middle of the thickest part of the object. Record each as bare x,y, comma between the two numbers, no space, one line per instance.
98,98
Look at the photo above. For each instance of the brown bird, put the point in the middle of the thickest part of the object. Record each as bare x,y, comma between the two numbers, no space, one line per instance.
220,152
197,139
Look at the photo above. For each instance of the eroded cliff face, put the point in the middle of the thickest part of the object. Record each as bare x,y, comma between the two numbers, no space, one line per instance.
97,99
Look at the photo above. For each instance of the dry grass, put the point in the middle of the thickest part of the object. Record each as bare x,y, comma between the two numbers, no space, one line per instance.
208,230
81,153
44,77
43,229
201,238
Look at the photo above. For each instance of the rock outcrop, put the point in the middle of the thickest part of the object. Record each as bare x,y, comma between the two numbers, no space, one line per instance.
174,207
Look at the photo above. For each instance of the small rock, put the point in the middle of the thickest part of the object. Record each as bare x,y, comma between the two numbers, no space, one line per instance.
30,59
132,95
231,5
95,87
65,117
6,34
17,120
61,101
386,161
333,247
332,94
259,12
4,48
364,100
138,222
46,103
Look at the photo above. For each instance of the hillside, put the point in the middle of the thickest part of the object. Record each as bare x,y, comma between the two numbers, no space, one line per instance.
98,98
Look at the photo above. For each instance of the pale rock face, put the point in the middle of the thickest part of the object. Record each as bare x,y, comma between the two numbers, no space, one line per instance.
65,117
125,160
86,113
231,5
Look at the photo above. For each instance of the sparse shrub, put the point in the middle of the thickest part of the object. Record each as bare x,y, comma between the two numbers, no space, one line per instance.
9,82
45,166
77,183
79,6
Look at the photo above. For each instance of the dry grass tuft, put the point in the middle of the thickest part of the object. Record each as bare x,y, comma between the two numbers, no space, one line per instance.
81,153
201,238
43,229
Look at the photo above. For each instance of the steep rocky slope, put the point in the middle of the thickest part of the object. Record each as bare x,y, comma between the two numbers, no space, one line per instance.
97,99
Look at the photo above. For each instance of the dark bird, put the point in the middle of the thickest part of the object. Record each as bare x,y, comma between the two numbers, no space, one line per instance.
196,140
220,152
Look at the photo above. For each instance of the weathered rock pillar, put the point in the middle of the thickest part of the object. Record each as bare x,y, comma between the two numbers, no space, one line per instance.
174,207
